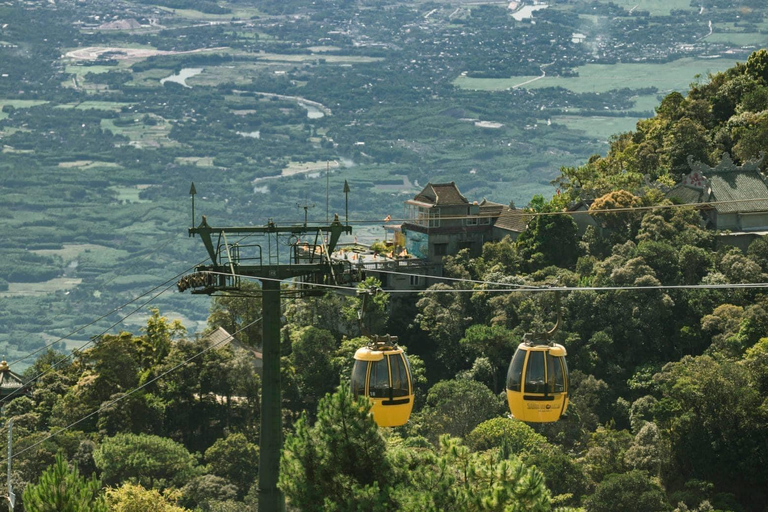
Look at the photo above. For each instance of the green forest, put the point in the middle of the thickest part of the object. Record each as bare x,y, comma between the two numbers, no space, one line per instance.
668,386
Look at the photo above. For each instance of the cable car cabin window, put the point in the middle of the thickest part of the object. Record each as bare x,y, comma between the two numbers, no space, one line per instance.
535,381
399,377
378,385
358,377
515,373
555,374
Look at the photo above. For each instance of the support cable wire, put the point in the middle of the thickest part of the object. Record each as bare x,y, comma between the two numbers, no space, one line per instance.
67,336
441,278
172,280
89,342
135,390
102,317
725,286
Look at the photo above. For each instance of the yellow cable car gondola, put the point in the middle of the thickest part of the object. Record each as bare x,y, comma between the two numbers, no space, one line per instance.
537,383
537,379
382,373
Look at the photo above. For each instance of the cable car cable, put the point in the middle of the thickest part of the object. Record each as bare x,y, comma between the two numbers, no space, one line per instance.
441,278
118,308
114,310
80,301
81,347
724,286
135,390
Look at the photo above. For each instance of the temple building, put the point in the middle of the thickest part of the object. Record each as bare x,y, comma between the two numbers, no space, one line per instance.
739,197
740,194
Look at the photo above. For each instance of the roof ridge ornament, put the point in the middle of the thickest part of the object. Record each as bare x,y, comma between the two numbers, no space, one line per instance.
726,164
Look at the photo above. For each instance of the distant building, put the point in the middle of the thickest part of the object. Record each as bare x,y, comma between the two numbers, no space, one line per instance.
740,194
440,221
221,337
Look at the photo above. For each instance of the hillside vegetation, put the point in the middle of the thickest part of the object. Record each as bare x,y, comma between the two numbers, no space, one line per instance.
668,386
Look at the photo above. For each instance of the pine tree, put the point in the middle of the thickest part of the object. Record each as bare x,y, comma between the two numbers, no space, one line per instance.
61,489
340,462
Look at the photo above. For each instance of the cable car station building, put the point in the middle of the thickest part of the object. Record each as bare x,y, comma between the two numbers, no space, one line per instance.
441,221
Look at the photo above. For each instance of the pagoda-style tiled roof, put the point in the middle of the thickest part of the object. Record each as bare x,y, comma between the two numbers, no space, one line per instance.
739,189
491,209
441,194
686,194
9,381
512,219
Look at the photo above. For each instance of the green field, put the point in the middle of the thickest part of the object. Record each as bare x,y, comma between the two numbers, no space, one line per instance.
71,252
597,126
668,77
114,106
646,103
242,72
87,164
18,104
739,38
141,135
656,7
44,288
81,71
129,194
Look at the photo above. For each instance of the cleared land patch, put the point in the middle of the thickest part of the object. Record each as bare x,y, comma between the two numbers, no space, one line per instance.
87,164
46,287
199,161
238,11
114,106
667,77
598,127
125,53
71,252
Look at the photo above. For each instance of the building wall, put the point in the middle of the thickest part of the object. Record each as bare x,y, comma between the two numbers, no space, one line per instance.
725,221
583,220
738,240
758,220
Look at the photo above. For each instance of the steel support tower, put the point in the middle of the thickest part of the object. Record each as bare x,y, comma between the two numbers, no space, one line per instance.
272,254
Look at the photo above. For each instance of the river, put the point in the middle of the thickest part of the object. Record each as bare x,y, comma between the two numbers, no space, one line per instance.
181,77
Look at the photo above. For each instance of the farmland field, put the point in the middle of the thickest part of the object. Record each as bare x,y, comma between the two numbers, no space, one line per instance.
44,288
667,77
655,7
598,127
